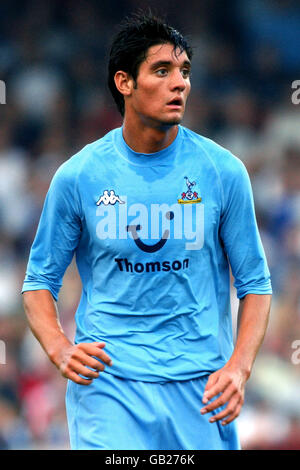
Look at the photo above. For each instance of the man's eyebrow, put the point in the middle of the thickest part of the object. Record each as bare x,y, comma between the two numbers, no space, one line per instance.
161,63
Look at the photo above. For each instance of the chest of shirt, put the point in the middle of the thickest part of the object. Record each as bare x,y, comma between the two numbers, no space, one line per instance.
146,210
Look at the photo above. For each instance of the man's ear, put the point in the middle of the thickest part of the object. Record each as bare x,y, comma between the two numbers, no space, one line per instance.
124,83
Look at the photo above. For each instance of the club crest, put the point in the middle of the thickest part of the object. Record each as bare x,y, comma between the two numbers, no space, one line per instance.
190,195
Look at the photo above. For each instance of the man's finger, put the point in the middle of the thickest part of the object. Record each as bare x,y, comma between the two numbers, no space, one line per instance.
220,401
215,390
229,410
77,379
84,358
95,349
212,379
82,370
105,357
233,415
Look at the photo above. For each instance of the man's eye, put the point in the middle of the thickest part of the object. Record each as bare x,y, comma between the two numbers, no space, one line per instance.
186,73
161,72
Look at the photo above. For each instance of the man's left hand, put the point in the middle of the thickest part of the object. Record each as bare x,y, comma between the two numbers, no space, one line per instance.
228,386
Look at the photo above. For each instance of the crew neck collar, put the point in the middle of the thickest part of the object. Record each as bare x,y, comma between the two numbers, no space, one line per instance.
143,159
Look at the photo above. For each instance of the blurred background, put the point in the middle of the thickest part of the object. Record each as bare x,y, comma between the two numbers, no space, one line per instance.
53,57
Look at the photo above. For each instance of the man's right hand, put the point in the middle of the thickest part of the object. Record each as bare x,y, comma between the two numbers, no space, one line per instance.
75,361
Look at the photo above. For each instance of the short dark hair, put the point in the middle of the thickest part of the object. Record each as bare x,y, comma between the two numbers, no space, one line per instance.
129,48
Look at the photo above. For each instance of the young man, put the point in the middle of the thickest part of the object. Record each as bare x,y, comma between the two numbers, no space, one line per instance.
154,214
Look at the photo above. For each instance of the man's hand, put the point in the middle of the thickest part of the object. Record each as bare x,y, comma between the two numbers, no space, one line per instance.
78,360
229,384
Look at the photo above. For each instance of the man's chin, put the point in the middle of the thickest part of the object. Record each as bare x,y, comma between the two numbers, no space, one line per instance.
166,122
174,121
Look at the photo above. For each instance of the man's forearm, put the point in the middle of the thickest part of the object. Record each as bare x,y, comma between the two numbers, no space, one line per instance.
253,319
81,362
229,381
42,316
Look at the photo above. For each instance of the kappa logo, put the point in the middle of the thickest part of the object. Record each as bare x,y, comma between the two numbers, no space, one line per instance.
189,196
109,197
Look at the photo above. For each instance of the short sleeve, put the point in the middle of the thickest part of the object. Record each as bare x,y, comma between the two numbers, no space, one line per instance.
57,235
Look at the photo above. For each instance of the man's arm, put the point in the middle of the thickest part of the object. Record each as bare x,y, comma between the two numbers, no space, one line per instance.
70,359
230,381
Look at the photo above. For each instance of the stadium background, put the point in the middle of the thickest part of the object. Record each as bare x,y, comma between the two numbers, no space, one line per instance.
53,57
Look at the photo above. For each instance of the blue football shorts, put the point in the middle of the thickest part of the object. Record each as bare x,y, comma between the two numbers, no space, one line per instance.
119,414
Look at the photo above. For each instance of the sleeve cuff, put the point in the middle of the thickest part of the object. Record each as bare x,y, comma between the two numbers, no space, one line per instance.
29,286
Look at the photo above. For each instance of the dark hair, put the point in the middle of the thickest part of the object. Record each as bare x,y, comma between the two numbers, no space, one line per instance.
129,47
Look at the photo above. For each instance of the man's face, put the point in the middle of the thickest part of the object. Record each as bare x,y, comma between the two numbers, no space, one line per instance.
162,86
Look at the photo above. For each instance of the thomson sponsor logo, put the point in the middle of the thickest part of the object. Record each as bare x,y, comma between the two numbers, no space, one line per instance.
150,267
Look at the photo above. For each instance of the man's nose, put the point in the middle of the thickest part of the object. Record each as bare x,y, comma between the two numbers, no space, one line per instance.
177,81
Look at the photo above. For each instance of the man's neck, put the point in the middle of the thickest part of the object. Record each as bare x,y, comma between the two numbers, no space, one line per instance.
145,139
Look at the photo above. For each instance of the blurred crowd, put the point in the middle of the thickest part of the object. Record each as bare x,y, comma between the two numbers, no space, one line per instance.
53,57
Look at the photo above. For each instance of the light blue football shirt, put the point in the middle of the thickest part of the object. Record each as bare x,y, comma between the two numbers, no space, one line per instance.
153,236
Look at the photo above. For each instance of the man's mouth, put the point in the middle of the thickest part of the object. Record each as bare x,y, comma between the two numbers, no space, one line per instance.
175,103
